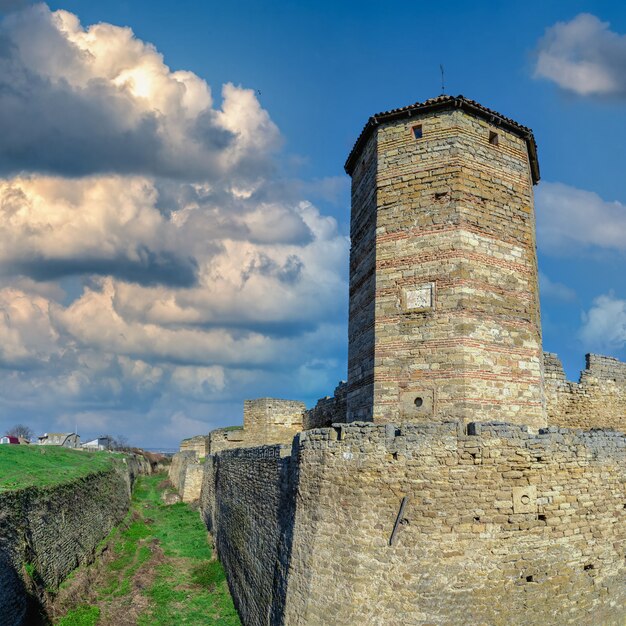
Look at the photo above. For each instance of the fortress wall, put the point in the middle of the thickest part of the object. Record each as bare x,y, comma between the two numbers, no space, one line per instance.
329,410
55,529
178,468
194,474
501,527
267,421
598,400
247,503
198,444
226,439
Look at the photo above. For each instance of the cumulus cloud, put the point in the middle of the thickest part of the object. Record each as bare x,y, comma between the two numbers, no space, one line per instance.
154,268
604,325
51,227
27,339
570,220
584,56
76,101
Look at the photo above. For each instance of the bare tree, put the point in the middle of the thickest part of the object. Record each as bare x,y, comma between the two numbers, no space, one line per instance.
117,443
20,430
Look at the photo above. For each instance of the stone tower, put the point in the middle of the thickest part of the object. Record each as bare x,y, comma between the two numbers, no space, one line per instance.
444,302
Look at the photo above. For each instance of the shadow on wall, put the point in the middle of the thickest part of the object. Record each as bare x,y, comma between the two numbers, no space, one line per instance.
18,605
254,535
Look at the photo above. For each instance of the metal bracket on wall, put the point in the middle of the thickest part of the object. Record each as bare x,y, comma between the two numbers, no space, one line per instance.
399,519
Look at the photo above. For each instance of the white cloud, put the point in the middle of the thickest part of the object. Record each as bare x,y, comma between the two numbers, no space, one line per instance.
555,290
570,219
77,100
583,56
154,269
604,325
27,339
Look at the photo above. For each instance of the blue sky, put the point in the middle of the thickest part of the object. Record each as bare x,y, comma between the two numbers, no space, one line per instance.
179,275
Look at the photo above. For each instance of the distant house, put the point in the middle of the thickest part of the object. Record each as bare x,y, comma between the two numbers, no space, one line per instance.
66,440
101,443
9,439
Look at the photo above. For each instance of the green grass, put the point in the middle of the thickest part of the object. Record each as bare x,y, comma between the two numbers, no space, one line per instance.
165,548
81,616
26,466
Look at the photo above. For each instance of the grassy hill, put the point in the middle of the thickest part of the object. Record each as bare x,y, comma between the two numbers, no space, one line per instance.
25,466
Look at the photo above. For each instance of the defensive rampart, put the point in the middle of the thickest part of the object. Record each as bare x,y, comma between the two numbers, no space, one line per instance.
597,400
45,533
424,524
198,444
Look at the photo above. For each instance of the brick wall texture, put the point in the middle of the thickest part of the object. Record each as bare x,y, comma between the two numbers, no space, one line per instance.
443,275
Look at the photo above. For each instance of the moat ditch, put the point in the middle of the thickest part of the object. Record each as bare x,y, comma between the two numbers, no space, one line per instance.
156,567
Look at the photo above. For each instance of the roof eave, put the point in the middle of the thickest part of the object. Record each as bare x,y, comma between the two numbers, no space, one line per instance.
449,103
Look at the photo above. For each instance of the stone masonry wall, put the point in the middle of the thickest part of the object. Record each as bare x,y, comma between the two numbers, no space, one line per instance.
56,529
598,400
226,439
198,444
178,468
328,410
444,308
247,503
499,526
193,482
271,420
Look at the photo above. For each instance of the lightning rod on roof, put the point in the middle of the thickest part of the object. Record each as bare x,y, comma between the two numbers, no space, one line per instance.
443,85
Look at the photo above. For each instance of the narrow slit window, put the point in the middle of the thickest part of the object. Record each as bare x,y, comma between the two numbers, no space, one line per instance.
493,138
417,131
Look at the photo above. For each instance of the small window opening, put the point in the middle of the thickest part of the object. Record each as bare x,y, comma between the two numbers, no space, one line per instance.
417,131
529,579
588,566
493,138
541,518
418,402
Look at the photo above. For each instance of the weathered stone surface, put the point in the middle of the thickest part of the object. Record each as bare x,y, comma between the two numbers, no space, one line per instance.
266,421
305,538
329,410
198,444
55,529
443,273
598,400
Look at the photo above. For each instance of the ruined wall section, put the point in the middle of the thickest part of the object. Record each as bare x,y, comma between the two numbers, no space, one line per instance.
328,410
598,400
198,444
268,421
178,468
226,439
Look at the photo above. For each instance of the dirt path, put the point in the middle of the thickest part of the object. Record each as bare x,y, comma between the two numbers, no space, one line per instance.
155,568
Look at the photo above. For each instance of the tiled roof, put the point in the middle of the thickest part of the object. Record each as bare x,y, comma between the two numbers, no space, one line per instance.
448,102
